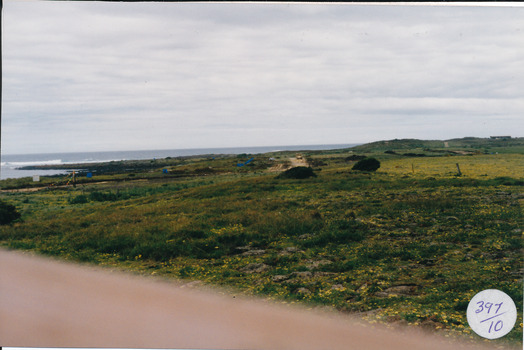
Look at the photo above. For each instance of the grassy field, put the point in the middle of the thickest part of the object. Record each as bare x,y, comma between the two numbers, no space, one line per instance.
409,244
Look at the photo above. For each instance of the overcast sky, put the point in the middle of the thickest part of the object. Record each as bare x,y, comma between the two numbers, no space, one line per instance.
95,76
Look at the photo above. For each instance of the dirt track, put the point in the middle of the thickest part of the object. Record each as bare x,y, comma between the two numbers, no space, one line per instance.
298,161
45,303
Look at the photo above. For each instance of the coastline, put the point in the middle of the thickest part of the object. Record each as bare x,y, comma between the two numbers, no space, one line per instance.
46,164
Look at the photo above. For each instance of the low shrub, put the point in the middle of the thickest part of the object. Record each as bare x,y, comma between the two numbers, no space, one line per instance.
367,164
80,199
8,213
508,181
299,172
103,196
338,232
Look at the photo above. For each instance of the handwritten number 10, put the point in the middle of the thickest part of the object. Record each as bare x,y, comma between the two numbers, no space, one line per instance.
495,328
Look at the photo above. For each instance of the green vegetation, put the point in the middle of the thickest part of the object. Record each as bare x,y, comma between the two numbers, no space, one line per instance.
435,147
410,243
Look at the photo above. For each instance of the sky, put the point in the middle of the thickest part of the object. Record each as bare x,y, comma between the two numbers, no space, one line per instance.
107,76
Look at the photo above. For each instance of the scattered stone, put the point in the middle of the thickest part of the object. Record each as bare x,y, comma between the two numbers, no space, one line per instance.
323,273
379,216
303,291
362,288
397,321
431,323
243,248
338,287
316,264
403,290
254,252
305,236
468,256
279,278
291,249
366,314
255,267
293,281
518,273
302,274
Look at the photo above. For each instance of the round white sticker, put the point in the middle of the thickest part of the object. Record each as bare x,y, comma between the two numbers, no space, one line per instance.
492,313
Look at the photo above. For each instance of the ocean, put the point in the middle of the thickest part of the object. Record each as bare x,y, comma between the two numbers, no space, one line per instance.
11,162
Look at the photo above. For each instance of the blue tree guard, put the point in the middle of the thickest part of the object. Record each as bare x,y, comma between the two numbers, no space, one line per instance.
245,163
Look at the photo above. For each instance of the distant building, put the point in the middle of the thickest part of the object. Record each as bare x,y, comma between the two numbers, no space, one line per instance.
500,137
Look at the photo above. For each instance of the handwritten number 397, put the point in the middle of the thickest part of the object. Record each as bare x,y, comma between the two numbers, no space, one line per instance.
487,306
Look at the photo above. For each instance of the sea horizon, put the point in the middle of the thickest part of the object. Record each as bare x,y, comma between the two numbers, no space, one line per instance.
11,162
277,147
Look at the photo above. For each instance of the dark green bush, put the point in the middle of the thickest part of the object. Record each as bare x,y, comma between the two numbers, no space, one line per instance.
80,199
338,232
367,164
354,158
103,196
508,181
299,172
8,213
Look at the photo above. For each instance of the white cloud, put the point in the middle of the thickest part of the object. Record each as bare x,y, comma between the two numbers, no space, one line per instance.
100,76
